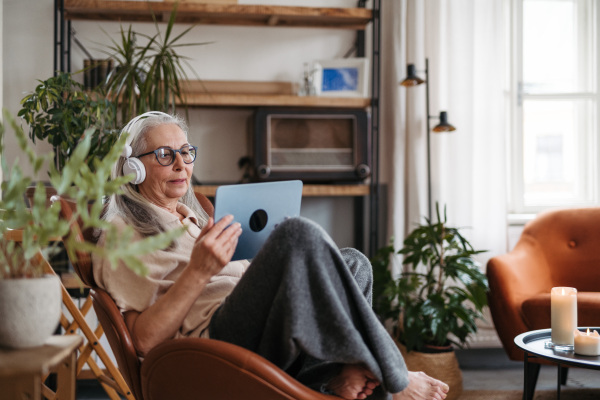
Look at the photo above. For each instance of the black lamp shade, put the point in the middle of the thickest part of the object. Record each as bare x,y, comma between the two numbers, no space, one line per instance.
443,126
411,77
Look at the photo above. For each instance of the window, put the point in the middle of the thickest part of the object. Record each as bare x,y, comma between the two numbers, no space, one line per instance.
554,136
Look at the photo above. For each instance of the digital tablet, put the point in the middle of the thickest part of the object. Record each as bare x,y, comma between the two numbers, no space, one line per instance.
259,208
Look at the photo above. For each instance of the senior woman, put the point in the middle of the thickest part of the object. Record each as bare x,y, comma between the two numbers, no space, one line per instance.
302,303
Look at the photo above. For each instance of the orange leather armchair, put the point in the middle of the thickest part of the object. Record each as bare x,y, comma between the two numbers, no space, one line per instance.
557,248
191,368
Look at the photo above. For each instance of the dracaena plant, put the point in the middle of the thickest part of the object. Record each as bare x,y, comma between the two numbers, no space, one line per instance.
440,295
149,73
41,224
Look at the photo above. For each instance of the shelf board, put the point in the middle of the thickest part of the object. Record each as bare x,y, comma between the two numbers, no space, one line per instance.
256,94
282,100
220,14
307,190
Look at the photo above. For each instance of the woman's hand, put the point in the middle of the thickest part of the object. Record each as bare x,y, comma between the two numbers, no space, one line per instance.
215,246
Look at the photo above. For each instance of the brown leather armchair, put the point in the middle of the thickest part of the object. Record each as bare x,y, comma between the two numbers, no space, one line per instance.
190,368
557,248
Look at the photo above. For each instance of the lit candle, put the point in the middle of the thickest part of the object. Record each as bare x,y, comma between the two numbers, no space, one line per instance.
587,343
563,308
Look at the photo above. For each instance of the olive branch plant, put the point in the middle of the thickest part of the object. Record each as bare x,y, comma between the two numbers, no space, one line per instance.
41,223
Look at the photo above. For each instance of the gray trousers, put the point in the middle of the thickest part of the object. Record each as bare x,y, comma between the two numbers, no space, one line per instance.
304,305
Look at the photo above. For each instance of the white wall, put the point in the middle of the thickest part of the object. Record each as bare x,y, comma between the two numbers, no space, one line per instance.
27,55
236,53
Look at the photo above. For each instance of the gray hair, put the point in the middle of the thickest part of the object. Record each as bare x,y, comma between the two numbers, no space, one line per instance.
131,206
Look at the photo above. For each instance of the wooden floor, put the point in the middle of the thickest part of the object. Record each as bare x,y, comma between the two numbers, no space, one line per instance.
490,369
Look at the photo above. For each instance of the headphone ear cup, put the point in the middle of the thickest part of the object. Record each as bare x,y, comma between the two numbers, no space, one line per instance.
136,167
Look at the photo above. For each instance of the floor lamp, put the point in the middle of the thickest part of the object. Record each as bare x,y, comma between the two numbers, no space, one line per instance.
413,80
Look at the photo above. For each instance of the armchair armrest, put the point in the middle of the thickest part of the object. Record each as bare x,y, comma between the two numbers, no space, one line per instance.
192,367
513,278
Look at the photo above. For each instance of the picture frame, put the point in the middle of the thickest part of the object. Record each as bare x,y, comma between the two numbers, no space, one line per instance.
342,77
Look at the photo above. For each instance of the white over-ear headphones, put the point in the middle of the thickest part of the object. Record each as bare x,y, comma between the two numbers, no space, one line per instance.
134,165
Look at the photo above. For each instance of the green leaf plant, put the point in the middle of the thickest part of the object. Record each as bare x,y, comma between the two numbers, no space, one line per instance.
148,77
440,295
60,111
41,223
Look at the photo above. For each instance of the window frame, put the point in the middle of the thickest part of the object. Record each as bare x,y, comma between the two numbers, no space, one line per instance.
516,97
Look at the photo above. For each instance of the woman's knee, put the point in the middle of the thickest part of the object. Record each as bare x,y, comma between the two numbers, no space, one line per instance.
361,269
302,231
358,263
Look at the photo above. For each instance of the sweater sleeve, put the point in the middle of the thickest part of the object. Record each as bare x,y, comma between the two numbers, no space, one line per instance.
130,290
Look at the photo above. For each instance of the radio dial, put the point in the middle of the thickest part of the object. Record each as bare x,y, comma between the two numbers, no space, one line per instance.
363,170
263,171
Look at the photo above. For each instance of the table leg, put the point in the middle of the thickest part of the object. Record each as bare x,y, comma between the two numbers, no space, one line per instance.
66,378
564,375
531,373
558,381
22,387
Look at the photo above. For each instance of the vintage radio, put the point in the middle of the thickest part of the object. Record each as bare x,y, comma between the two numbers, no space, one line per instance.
314,145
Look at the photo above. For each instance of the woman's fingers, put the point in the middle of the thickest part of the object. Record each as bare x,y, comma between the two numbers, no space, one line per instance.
220,238
209,224
212,229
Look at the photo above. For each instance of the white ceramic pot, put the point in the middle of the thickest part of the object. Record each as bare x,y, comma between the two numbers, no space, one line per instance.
29,310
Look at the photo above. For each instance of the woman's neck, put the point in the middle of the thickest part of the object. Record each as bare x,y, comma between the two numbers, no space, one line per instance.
171,207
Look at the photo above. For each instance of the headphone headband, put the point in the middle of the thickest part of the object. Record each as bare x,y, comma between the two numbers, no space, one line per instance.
130,124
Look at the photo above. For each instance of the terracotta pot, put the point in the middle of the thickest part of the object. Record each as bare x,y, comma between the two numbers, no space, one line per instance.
29,310
441,365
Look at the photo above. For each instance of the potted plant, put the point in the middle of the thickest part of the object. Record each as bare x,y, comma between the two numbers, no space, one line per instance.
436,301
59,110
30,300
147,76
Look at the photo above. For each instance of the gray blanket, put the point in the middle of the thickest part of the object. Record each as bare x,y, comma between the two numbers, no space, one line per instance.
305,305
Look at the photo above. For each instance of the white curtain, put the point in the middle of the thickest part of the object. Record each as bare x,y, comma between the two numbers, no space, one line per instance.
464,42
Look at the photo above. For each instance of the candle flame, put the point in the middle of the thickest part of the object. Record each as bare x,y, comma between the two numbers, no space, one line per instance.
588,332
562,291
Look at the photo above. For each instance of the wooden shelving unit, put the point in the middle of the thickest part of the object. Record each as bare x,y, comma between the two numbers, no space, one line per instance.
307,190
252,94
233,14
220,14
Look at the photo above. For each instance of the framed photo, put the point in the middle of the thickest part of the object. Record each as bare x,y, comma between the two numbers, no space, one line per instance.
342,77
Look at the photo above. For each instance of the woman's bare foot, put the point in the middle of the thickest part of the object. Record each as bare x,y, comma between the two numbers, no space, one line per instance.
422,387
354,382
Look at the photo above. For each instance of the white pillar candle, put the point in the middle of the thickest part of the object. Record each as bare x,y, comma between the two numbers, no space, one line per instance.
563,306
586,343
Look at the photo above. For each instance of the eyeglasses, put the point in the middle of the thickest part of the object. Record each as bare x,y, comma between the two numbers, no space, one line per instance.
166,155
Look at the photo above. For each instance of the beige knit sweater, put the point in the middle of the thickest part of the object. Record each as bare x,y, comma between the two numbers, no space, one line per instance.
134,292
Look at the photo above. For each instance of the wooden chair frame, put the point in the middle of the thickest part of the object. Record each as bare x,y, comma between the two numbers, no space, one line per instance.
110,378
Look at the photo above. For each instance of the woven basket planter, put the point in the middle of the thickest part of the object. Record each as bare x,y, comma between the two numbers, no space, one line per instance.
443,366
